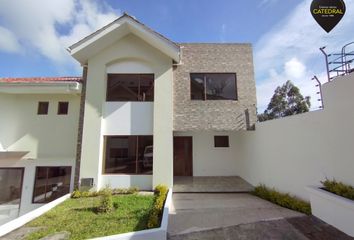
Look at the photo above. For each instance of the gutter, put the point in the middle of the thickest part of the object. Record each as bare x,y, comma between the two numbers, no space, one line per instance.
71,86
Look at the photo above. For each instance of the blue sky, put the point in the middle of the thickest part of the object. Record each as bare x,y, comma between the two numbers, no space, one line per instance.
285,38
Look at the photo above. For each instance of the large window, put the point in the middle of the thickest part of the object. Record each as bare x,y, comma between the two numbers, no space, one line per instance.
128,155
130,87
213,86
51,183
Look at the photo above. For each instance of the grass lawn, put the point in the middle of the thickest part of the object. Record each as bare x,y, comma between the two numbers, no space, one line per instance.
80,218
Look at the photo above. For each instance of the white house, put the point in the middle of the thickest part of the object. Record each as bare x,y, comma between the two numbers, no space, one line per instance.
145,110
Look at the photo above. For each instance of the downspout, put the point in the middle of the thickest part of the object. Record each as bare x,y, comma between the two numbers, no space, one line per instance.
80,129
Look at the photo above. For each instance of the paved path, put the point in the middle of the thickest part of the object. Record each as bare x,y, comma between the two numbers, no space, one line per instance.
242,216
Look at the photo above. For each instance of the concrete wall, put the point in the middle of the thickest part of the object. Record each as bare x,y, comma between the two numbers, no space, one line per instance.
211,161
220,115
301,150
128,55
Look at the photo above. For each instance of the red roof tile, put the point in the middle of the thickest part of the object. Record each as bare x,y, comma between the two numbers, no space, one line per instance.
41,79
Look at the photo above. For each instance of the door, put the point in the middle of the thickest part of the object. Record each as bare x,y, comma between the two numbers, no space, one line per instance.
11,188
182,156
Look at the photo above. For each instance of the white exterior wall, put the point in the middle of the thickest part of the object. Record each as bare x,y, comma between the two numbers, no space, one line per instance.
50,139
211,161
128,55
127,118
293,152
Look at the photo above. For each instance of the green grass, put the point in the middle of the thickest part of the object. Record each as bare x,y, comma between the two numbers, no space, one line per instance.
282,199
81,219
339,188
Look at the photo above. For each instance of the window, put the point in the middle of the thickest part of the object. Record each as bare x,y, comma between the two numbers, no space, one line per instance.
221,141
213,86
51,183
63,108
130,87
43,108
11,185
128,155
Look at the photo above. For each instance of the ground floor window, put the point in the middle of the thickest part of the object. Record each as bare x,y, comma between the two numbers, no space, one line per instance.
128,154
51,183
11,185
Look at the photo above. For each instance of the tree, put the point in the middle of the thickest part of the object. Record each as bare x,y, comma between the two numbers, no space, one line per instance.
287,100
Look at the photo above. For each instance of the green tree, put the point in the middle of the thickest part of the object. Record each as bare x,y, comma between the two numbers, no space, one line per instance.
287,100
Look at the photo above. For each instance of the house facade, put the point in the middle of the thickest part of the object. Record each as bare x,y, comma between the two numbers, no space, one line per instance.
145,110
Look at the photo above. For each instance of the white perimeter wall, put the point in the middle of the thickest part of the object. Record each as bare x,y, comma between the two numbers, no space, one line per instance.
211,161
301,150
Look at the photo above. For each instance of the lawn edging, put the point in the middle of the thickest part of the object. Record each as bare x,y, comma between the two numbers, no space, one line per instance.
155,233
22,220
333,209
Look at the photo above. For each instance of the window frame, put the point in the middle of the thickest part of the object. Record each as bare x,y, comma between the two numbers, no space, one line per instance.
105,138
67,108
46,108
139,88
205,86
35,181
218,144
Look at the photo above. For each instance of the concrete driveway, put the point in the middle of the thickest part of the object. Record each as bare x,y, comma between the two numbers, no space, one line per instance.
235,216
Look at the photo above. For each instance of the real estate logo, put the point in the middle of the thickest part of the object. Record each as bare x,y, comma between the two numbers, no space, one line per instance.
327,13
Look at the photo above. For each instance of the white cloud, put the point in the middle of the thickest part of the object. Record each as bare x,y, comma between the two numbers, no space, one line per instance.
8,41
222,32
49,27
290,51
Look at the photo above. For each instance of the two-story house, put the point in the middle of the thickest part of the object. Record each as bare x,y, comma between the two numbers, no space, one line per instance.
145,110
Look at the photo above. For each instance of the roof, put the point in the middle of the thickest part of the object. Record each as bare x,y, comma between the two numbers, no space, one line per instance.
41,80
117,29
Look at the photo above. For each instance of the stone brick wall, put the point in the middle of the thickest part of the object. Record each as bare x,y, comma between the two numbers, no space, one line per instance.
219,115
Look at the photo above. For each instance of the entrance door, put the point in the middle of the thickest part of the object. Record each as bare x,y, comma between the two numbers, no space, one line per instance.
11,189
183,158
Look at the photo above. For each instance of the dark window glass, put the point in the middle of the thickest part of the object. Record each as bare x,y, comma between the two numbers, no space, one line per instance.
213,86
221,141
43,108
128,154
63,108
10,185
130,87
51,183
197,87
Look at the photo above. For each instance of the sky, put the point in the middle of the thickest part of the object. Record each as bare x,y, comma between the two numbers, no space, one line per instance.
34,34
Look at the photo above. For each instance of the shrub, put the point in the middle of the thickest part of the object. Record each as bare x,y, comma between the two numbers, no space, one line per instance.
282,199
106,205
104,191
339,188
157,210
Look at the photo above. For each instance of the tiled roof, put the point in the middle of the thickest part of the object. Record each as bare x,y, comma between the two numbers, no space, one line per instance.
40,80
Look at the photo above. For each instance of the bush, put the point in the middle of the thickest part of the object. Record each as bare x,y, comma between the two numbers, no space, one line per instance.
104,191
339,188
282,199
157,210
106,205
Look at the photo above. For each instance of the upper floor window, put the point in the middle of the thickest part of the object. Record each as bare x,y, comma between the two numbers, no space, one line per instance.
63,108
221,141
213,86
130,87
43,108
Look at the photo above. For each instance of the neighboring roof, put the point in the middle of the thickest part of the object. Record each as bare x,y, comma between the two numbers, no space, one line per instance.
40,80
117,29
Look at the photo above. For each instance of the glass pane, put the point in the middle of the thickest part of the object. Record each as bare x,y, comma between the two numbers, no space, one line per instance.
221,141
146,87
63,108
145,154
10,197
122,87
121,154
221,86
51,183
197,86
